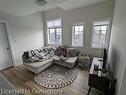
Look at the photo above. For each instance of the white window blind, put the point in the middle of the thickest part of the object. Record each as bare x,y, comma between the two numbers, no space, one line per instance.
54,23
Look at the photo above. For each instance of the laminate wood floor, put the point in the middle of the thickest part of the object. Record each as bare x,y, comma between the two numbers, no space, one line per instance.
23,79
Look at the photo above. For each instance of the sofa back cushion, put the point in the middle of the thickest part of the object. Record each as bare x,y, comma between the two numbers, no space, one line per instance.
71,52
61,51
38,55
33,56
49,51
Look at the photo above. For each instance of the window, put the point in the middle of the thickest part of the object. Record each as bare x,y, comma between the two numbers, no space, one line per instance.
54,31
77,35
100,29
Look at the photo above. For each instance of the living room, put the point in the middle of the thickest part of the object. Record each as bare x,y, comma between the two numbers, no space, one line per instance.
66,32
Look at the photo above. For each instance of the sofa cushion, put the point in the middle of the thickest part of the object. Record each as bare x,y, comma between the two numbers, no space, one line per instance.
56,58
71,52
49,51
38,55
71,60
34,56
33,59
26,54
61,51
39,64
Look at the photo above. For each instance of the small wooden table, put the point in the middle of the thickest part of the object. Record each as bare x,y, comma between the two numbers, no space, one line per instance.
96,81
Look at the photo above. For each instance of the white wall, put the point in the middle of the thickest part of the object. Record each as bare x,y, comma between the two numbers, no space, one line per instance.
84,14
117,49
123,87
26,33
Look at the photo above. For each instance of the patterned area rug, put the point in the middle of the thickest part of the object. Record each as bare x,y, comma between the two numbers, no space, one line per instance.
56,77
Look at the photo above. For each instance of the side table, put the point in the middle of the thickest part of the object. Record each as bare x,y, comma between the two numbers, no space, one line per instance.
83,61
96,80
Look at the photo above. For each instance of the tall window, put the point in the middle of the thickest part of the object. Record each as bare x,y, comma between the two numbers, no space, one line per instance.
54,31
77,35
100,29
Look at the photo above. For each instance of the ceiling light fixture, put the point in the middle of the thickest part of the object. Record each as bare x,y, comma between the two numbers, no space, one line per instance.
41,2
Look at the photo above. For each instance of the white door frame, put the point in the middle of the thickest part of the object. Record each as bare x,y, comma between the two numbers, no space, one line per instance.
9,41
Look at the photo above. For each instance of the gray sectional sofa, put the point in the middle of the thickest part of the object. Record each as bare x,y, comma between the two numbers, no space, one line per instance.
40,59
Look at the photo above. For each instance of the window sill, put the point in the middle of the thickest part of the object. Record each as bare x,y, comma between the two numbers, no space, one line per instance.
55,44
78,46
96,48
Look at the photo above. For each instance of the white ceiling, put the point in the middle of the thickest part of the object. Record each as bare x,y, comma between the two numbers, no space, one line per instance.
25,7
73,4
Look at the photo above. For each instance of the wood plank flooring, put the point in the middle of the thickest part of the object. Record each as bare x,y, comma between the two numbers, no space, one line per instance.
24,79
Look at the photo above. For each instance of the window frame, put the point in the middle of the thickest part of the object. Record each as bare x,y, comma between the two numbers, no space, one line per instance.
55,30
107,30
80,24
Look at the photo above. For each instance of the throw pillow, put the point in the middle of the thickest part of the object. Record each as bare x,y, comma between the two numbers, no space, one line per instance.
71,52
61,51
33,59
34,56
26,54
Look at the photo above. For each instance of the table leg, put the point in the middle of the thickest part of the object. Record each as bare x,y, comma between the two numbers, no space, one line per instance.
89,90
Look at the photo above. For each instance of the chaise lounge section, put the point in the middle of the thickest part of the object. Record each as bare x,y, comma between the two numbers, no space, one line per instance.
67,62
37,67
39,59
